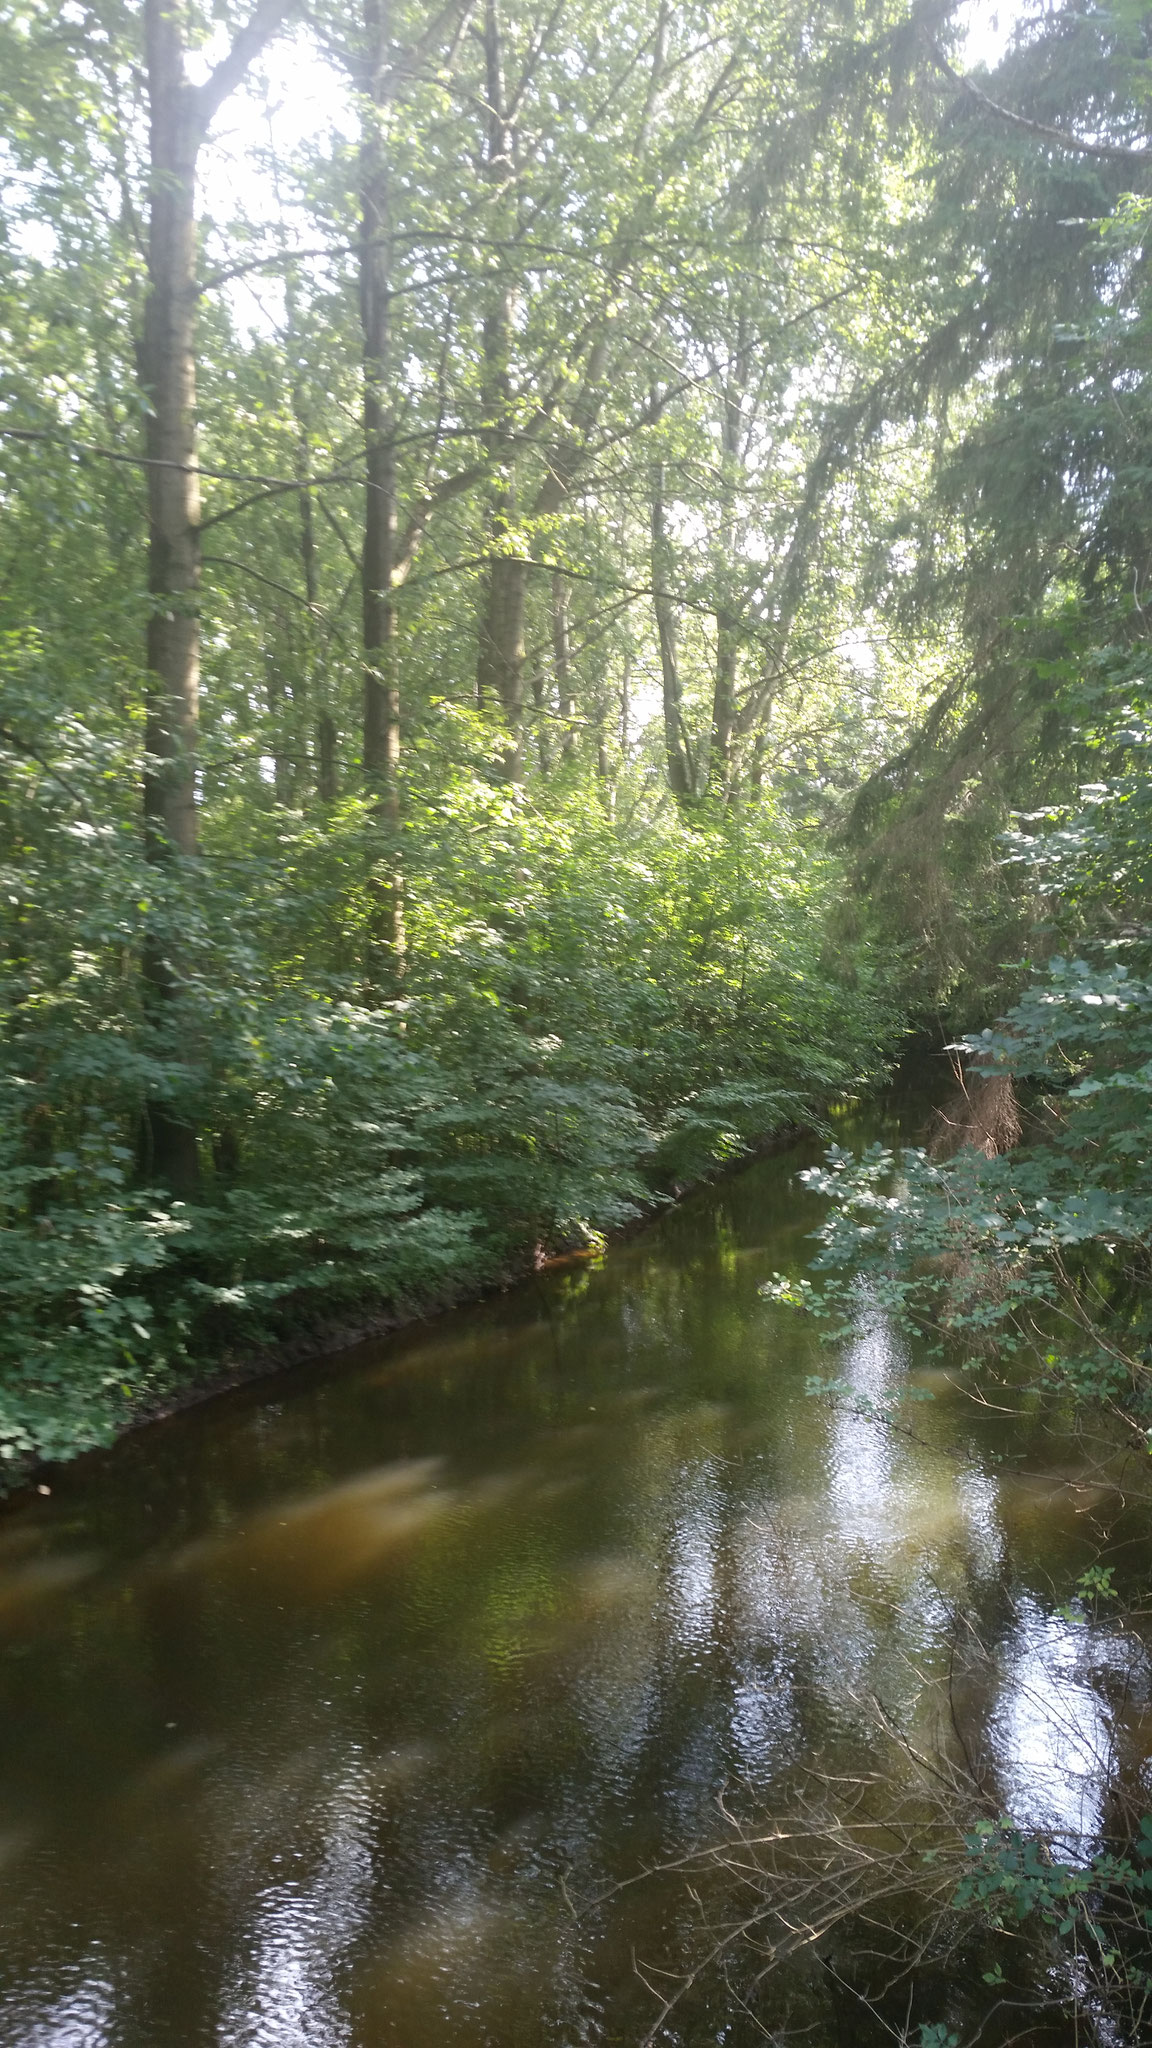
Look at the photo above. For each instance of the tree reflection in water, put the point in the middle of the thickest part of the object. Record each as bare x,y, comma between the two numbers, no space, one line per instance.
338,1713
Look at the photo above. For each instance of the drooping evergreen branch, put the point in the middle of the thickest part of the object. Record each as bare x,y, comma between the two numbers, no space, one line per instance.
1109,152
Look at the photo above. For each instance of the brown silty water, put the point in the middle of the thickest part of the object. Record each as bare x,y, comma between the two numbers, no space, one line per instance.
332,1711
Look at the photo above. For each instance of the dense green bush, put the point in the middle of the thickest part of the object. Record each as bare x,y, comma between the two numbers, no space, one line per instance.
1053,1234
591,1014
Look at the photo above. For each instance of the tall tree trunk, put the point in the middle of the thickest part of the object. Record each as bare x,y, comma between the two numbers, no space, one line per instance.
326,786
307,528
381,677
279,701
304,683
169,366
540,700
179,117
500,669
681,780
727,641
723,707
500,659
603,760
562,659
171,1154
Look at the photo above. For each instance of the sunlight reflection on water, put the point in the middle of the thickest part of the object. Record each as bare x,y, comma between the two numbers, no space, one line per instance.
281,1989
1053,1731
327,1705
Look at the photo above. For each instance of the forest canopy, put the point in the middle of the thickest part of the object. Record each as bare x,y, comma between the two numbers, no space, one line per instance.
570,576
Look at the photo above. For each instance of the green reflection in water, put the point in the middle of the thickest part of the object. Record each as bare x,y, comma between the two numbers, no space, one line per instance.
321,1704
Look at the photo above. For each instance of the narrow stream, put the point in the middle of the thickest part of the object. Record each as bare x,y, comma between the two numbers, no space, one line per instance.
325,1704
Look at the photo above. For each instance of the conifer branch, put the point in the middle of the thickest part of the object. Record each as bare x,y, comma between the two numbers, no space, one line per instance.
1109,152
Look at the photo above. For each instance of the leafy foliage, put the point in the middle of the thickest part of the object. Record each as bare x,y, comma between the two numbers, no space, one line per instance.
573,1000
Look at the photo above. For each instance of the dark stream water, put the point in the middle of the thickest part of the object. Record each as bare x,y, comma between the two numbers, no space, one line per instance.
324,1704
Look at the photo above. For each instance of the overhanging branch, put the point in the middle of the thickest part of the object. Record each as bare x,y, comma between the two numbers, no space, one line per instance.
1109,152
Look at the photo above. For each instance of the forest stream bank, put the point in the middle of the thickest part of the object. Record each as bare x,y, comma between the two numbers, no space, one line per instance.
332,1339
336,1711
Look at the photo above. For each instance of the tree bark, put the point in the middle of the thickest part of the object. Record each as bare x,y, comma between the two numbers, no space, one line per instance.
381,735
723,708
727,642
759,758
500,668
179,117
279,699
500,657
562,660
603,762
169,367
681,780
540,700
326,786
304,684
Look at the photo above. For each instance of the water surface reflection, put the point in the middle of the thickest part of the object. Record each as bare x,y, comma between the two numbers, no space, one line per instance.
322,1705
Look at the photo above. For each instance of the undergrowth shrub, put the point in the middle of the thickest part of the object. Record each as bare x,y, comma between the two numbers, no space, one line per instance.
592,1014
